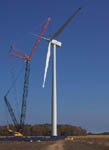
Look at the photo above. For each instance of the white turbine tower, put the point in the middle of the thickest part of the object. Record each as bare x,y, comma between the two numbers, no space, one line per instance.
54,94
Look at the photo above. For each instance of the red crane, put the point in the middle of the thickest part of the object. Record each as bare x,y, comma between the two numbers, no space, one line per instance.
23,55
26,77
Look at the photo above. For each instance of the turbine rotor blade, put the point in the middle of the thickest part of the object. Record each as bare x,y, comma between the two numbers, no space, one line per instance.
47,64
44,38
65,24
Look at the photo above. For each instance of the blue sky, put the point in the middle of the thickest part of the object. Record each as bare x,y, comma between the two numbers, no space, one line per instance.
82,61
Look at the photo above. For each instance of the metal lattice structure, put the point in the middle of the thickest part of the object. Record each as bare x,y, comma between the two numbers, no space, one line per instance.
25,94
26,58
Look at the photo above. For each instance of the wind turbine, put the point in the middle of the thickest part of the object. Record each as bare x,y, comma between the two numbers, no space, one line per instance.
55,43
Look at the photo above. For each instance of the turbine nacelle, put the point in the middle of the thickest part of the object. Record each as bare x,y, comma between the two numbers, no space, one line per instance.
57,43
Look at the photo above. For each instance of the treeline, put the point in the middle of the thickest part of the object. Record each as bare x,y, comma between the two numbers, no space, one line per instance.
104,133
45,130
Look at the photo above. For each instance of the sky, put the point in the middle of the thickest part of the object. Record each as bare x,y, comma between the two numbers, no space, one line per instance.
82,61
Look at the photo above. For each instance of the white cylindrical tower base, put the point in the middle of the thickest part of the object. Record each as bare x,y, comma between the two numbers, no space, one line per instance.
54,95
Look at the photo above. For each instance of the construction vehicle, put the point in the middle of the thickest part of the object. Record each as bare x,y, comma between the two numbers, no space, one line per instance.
13,133
19,126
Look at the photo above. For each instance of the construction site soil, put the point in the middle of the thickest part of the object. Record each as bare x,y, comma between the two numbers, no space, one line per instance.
78,143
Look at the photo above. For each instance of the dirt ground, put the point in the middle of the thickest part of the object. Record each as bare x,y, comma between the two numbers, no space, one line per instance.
75,144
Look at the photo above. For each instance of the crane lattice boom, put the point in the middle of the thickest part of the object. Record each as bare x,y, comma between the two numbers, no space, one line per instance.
23,56
11,112
25,94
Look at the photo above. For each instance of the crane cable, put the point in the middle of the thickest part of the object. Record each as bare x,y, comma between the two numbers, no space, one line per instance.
29,33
